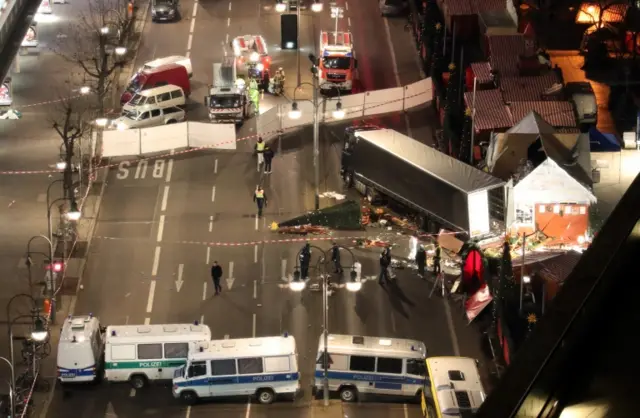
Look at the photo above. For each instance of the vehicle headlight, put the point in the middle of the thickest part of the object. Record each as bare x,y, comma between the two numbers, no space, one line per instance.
260,67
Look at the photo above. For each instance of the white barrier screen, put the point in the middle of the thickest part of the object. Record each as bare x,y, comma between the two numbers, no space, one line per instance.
418,93
384,101
212,135
306,115
353,106
163,138
120,143
268,123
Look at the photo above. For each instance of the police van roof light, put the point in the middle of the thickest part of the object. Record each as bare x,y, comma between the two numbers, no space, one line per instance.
90,315
196,323
73,340
113,333
286,334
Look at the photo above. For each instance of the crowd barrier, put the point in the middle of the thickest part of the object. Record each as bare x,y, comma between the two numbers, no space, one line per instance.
116,143
355,106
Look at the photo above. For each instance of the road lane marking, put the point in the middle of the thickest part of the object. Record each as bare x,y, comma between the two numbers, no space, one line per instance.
132,393
208,255
152,293
193,24
161,228
195,10
248,410
253,327
179,281
156,261
211,223
147,321
188,54
452,331
202,319
169,171
346,6
283,269
349,21
215,163
255,289
165,198
228,21
189,42
257,222
188,414
213,194
229,6
255,253
406,411
204,291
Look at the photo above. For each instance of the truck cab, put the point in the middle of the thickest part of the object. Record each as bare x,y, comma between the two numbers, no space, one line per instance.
337,63
227,101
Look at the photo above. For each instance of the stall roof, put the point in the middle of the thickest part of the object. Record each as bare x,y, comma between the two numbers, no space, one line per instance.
462,176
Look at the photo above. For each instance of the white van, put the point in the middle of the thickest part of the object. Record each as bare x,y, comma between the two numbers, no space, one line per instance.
156,98
80,349
372,365
174,59
148,118
141,353
264,367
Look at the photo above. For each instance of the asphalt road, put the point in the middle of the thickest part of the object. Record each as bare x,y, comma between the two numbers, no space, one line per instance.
164,221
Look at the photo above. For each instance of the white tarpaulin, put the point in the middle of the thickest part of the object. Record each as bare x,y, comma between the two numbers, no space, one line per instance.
118,143
384,101
162,138
212,135
268,123
418,93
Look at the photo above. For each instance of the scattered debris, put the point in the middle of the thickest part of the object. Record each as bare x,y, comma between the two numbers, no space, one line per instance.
368,243
333,195
302,230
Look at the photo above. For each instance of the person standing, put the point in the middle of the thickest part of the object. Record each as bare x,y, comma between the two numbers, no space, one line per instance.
268,157
261,199
436,260
335,257
305,259
216,275
259,148
384,267
421,260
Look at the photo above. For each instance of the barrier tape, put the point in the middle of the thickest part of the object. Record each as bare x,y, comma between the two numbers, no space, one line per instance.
182,152
28,399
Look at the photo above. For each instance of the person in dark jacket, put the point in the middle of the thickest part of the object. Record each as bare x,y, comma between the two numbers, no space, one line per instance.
260,198
268,157
335,257
436,261
216,275
385,261
421,260
305,258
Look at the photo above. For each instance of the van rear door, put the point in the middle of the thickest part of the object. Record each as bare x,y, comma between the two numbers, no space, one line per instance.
76,360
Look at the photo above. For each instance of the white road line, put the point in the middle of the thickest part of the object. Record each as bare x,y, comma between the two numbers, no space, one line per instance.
213,194
226,41
208,255
255,253
256,223
452,331
187,54
211,223
189,42
255,289
165,198
229,6
228,21
230,275
349,21
406,411
248,410
192,27
147,321
204,290
215,166
195,10
188,414
201,319
160,228
132,393
156,261
169,171
346,6
253,327
283,268
152,293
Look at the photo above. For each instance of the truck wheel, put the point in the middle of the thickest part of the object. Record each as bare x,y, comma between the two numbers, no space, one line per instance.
138,381
348,394
265,396
189,397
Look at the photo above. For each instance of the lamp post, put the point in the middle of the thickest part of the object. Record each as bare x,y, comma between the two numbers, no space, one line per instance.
296,113
11,388
298,284
38,333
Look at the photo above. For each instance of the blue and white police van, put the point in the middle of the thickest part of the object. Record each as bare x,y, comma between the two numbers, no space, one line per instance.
80,349
372,365
265,367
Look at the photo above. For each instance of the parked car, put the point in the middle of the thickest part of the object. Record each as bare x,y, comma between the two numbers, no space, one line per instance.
149,118
156,98
156,77
164,10
173,59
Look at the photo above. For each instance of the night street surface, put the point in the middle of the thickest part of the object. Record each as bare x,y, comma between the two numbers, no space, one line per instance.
159,215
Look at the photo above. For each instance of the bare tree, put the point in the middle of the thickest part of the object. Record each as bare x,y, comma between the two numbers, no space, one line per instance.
97,43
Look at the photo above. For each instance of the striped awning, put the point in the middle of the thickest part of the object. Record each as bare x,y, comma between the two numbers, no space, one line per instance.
526,89
482,71
505,52
556,113
458,8
490,111
489,5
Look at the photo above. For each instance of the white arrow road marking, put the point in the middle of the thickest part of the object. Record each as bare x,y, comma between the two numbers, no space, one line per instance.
180,282
283,270
230,279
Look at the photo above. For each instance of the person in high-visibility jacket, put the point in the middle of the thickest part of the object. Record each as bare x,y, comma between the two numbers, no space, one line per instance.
259,148
261,199
254,95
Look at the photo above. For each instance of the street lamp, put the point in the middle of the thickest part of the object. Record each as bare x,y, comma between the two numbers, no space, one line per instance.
85,90
316,6
281,7
298,284
61,165
104,30
74,213
120,50
296,113
11,388
102,122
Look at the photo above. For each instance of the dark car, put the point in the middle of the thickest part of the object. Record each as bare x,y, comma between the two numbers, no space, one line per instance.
164,10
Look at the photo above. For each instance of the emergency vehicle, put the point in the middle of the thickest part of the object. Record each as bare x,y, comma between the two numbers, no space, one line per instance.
337,63
80,349
227,100
252,58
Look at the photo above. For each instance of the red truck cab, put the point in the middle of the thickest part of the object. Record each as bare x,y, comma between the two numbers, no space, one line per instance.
156,77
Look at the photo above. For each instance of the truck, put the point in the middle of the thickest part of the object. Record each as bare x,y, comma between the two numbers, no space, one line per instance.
337,62
252,58
434,189
227,100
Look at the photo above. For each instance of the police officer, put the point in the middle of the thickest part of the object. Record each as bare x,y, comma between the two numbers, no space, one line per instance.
385,260
421,260
261,199
268,157
436,261
259,148
305,258
335,257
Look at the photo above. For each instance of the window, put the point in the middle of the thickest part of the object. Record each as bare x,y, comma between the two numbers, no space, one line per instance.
583,210
456,376
151,100
149,351
123,352
198,368
164,97
155,113
161,83
176,350
389,365
567,210
176,94
223,367
362,363
277,364
171,110
251,365
524,214
416,367
556,209
542,209
144,116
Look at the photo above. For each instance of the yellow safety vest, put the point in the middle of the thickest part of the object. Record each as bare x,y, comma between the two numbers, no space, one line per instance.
260,146
259,195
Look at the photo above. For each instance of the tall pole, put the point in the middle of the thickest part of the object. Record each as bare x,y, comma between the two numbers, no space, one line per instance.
325,332
524,242
11,356
11,388
298,38
316,140
473,119
52,289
